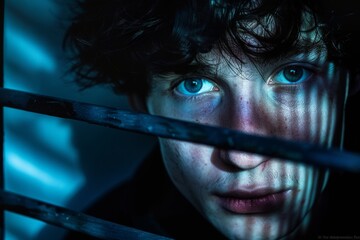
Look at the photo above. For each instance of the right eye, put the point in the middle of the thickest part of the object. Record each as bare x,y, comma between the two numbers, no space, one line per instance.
195,86
291,74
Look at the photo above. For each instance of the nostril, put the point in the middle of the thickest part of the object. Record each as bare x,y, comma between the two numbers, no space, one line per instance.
241,160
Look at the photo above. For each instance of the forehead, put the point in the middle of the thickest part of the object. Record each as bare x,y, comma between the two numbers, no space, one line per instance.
309,41
259,36
308,48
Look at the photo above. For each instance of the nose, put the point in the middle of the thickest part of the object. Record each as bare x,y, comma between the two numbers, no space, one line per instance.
241,160
247,112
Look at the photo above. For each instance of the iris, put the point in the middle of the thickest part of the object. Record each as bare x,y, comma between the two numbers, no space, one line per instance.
193,85
293,73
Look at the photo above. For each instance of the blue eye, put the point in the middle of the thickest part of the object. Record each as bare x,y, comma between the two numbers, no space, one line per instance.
195,86
291,75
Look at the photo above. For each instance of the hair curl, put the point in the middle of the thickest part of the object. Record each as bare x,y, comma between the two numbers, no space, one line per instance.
122,42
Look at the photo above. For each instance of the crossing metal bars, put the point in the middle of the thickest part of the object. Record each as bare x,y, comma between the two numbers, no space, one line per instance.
224,138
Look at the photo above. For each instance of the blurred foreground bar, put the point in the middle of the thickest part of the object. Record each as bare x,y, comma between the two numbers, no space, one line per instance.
72,220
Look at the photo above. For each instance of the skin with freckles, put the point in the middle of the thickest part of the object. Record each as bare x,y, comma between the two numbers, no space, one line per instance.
248,196
270,68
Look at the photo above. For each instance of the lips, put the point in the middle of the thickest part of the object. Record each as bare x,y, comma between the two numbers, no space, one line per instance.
262,200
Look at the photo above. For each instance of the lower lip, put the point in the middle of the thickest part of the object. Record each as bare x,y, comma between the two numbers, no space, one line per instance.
268,203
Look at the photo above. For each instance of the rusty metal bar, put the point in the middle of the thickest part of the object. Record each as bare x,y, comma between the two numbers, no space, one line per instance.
181,130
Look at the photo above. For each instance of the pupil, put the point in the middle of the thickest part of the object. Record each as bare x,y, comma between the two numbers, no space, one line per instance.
293,73
193,85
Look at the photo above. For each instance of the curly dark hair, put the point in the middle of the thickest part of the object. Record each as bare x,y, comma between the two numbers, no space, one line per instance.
123,42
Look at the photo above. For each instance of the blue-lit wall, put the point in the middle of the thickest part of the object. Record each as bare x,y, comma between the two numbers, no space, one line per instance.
63,162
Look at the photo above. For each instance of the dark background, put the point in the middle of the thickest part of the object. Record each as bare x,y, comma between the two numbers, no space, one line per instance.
63,162
70,163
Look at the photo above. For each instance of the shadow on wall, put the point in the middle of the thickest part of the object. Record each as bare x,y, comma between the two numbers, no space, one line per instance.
63,162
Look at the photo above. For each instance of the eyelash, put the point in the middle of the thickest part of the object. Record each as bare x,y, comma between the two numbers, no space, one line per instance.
305,69
199,84
278,78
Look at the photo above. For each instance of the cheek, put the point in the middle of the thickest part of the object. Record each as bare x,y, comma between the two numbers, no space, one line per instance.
193,110
311,184
311,119
188,164
311,114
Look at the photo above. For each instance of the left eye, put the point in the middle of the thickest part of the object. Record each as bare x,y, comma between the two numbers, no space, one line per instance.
195,86
291,75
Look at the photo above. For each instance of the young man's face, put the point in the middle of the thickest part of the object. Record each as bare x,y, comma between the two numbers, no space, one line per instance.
299,96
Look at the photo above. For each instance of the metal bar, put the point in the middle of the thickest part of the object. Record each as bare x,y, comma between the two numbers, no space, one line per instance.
181,130
72,220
